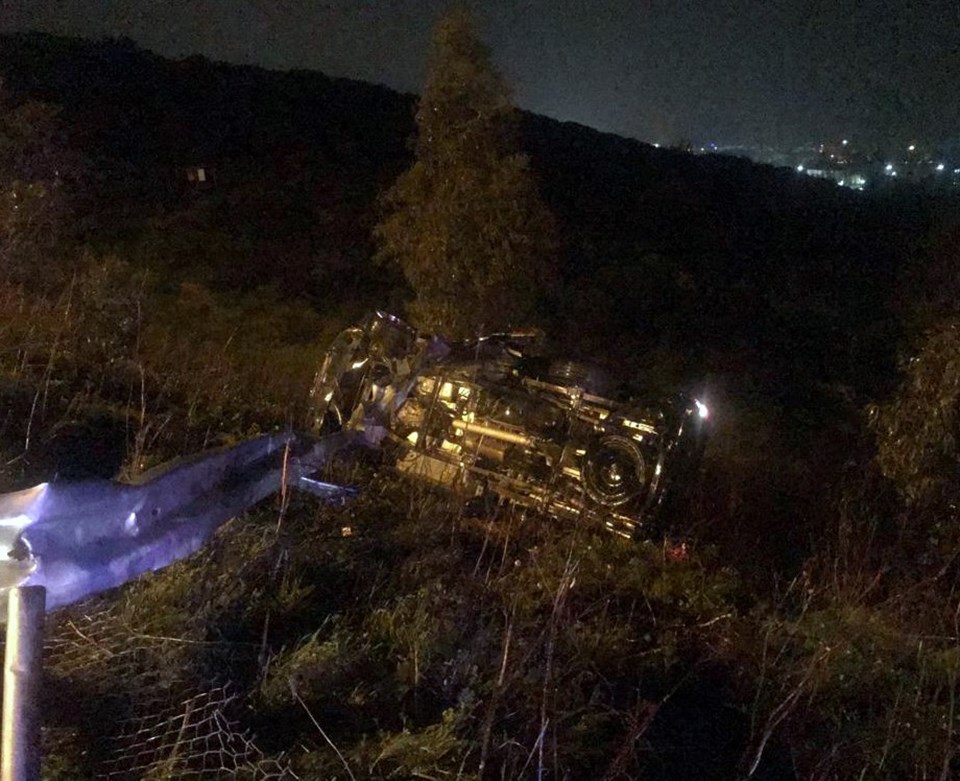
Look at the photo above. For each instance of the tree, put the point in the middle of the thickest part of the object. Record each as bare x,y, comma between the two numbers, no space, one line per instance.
32,162
917,429
465,223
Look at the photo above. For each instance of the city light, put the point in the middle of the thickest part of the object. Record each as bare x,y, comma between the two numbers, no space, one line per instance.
846,164
856,182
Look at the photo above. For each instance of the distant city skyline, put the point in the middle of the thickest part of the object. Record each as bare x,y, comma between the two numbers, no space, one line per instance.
778,73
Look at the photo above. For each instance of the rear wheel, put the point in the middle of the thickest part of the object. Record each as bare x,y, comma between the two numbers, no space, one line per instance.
581,375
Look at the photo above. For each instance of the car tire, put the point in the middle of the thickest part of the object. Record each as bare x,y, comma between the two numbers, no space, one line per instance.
614,471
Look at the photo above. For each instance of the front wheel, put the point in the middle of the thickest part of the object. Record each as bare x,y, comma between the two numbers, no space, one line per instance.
336,386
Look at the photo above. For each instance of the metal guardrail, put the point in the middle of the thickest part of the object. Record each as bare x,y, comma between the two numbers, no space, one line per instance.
69,541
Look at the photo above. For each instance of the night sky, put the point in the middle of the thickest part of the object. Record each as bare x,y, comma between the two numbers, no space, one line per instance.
780,72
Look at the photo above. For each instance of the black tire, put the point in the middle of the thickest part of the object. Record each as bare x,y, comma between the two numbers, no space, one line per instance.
614,471
581,375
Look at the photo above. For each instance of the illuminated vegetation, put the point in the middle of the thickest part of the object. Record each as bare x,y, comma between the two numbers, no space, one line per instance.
465,222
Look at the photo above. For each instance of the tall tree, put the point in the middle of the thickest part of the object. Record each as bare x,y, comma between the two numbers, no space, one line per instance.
465,223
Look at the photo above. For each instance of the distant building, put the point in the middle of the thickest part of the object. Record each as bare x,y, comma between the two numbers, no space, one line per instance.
197,175
844,177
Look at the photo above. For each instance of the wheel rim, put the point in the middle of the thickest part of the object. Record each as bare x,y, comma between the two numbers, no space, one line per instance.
614,471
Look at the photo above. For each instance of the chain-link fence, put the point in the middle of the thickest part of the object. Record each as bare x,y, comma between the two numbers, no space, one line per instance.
123,704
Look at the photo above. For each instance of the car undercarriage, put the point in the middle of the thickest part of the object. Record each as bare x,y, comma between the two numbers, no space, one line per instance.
494,417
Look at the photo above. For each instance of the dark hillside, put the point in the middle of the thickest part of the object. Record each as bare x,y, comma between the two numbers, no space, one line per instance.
713,252
697,254
694,253
292,161
130,105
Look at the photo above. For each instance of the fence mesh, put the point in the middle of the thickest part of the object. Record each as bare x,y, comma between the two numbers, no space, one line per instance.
122,703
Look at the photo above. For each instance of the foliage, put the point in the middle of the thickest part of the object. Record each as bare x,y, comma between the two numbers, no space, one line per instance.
859,686
172,367
465,222
33,163
469,640
917,429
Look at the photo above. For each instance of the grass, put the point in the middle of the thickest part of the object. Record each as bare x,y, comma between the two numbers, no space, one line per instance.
425,643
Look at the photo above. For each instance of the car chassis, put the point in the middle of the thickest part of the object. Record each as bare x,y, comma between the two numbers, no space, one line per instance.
492,417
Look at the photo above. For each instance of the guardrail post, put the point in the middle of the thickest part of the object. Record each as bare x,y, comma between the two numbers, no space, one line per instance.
22,673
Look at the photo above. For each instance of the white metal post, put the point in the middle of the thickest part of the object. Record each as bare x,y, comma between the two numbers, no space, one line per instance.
22,673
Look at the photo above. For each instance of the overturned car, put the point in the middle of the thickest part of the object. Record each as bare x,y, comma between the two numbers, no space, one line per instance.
494,418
